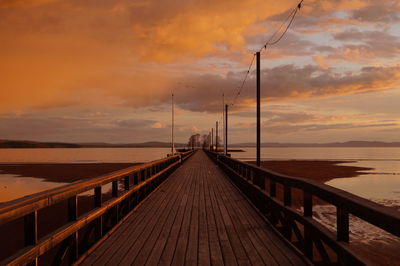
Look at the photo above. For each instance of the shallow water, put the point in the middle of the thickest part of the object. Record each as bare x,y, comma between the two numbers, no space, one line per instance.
82,155
14,187
382,184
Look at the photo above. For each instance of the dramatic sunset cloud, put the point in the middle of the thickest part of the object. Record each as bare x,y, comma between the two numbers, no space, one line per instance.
105,70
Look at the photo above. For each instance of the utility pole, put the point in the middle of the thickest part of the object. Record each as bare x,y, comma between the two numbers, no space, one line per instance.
226,129
258,109
223,123
172,147
216,136
212,138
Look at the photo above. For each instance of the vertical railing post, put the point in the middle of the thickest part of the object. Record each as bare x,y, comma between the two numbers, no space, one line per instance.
30,232
114,190
98,202
73,239
342,220
272,188
307,212
126,187
126,183
307,204
287,201
114,193
287,195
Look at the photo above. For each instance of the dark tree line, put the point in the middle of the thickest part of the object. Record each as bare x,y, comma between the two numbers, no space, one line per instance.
204,141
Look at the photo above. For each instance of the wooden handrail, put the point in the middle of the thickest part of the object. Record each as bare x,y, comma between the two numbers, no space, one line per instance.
253,180
145,177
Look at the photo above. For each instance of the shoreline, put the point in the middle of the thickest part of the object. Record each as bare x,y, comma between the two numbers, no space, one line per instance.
317,170
321,171
62,172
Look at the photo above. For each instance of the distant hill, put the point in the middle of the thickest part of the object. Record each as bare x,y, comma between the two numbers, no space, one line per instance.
154,144
332,144
157,144
23,144
35,144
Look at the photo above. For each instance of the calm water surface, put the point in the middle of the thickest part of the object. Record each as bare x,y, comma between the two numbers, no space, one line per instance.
13,187
381,185
82,155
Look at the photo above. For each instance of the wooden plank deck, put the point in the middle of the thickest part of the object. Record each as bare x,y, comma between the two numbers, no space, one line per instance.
197,217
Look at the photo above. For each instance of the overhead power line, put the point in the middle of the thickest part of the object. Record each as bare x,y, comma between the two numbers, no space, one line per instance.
271,41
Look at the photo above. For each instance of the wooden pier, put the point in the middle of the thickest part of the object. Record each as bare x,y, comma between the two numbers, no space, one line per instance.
197,217
195,208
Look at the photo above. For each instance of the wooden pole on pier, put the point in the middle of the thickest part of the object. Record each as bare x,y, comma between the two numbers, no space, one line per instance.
258,109
216,136
226,129
172,146
212,139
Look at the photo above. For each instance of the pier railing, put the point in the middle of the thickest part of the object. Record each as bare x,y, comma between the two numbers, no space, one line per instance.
272,194
83,231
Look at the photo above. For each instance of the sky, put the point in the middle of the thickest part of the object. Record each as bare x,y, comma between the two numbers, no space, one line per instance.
104,71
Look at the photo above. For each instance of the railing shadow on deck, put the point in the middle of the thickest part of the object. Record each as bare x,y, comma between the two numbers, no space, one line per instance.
312,238
137,183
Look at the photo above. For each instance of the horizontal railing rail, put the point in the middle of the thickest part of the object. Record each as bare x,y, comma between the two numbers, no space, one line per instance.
297,224
137,182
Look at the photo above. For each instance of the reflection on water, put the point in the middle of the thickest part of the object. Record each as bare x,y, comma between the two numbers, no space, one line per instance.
382,184
84,155
14,187
322,153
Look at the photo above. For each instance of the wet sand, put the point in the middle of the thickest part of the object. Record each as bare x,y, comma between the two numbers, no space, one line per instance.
56,215
63,172
375,252
321,171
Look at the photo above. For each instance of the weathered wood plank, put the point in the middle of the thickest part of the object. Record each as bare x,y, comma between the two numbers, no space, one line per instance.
193,241
116,239
155,255
140,250
226,247
275,245
141,230
169,249
204,247
214,244
199,218
234,236
254,248
181,245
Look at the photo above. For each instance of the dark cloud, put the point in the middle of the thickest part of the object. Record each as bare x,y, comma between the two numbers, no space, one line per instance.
133,123
75,129
364,45
289,129
283,82
384,11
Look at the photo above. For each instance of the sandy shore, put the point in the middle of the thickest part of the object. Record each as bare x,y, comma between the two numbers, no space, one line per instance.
53,216
321,171
376,252
62,172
